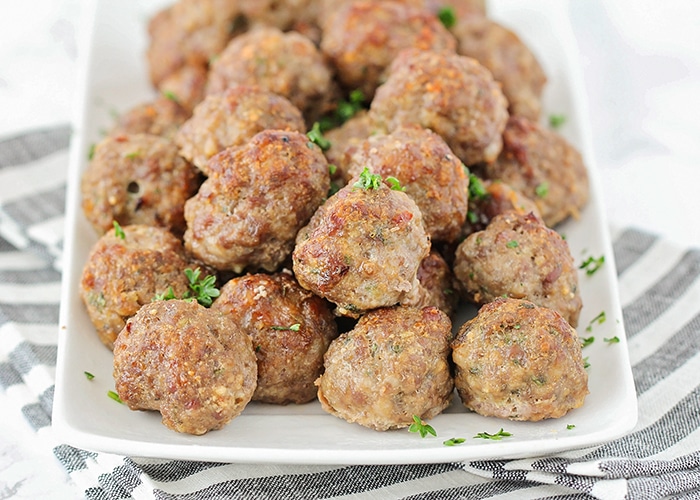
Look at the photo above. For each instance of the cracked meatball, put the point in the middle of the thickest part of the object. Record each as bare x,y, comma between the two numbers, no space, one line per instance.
192,364
519,361
452,95
122,274
391,366
362,38
542,165
426,168
137,179
519,257
362,249
248,212
290,327
232,118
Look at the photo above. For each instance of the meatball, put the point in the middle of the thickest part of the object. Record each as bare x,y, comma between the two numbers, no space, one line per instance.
124,273
510,61
185,86
248,212
282,14
461,8
137,179
362,38
350,133
192,364
543,166
290,327
437,283
288,64
519,361
232,118
452,95
391,366
426,168
487,199
518,256
362,249
162,117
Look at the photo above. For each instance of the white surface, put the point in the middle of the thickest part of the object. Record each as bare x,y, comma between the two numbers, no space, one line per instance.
85,417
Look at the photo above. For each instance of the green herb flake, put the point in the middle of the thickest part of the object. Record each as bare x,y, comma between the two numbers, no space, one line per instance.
512,244
333,189
133,155
168,94
203,289
586,364
332,169
472,217
294,328
570,426
591,264
476,188
89,375
368,180
315,135
495,437
612,340
542,189
447,17
91,151
118,231
169,295
454,441
113,395
586,341
600,319
557,120
394,184
421,427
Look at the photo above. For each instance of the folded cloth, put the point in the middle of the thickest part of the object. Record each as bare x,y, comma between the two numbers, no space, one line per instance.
660,295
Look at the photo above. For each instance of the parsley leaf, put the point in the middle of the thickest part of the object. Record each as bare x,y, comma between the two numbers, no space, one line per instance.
612,340
591,264
113,395
447,17
586,341
89,375
294,328
453,441
570,426
394,184
421,427
476,188
512,244
368,180
542,189
495,437
556,121
600,319
315,135
203,289
118,231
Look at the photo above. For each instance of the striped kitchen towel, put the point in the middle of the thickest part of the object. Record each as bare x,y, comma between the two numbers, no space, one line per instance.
660,294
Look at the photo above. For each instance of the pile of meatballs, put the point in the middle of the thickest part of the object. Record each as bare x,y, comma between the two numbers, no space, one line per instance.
347,172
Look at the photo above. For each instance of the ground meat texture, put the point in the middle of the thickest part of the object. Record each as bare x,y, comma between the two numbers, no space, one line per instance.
248,212
192,364
162,117
232,118
542,165
282,14
362,38
519,361
518,256
185,86
290,327
493,198
288,64
122,274
461,8
428,170
362,249
452,95
510,61
137,179
391,366
437,283
341,139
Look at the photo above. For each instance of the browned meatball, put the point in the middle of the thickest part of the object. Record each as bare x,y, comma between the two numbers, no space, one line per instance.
510,61
452,95
288,64
362,249
460,8
193,365
122,274
487,199
518,256
137,179
185,86
282,14
543,166
232,118
391,366
519,361
362,38
162,117
290,327
247,214
438,285
350,133
428,170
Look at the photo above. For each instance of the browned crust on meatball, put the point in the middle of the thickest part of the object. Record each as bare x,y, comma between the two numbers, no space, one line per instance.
282,14
438,284
519,361
122,274
185,86
193,365
290,327
519,257
391,366
452,95
342,141
137,179
162,117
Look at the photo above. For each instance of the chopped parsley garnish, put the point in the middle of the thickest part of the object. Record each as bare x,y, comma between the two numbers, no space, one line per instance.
600,319
542,189
118,231
570,426
171,95
586,364
332,169
169,295
454,441
368,180
91,151
315,135
495,437
348,109
476,188
472,217
591,264
421,427
132,155
113,395
89,375
612,340
586,341
556,121
333,189
447,17
294,328
203,289
512,244
394,184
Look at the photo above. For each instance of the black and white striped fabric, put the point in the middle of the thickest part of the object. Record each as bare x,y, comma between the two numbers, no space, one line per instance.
660,294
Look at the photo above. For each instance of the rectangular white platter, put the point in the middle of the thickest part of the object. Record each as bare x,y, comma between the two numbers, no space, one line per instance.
114,78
